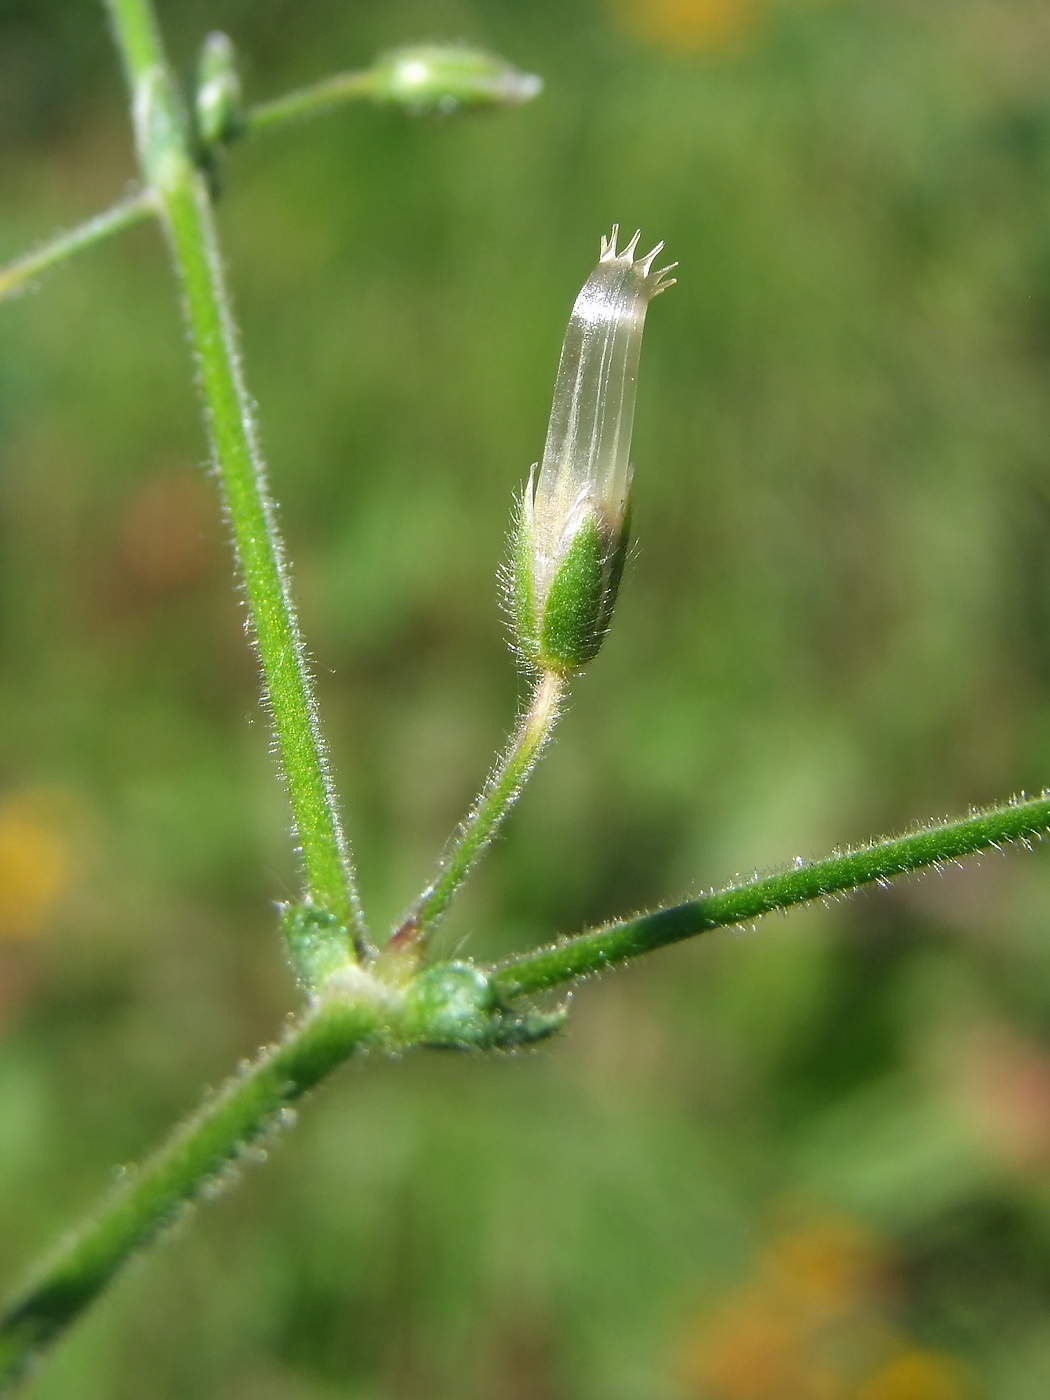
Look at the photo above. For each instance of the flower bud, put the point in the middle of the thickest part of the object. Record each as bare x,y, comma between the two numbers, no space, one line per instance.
446,78
574,519
217,102
453,1005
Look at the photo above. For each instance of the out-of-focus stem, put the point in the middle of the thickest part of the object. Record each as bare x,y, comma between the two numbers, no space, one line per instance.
127,212
310,101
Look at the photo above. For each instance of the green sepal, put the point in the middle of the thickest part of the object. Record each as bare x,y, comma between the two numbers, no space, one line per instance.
453,1006
614,572
575,610
318,945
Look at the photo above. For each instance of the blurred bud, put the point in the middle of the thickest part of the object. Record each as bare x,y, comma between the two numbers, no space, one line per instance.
445,78
572,530
218,99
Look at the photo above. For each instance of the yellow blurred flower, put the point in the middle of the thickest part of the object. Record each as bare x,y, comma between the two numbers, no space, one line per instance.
692,25
826,1268
814,1325
757,1350
34,863
917,1375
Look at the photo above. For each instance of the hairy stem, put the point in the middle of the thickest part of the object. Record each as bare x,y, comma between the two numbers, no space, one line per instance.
573,958
357,1011
198,1159
122,215
309,101
361,1012
482,823
185,207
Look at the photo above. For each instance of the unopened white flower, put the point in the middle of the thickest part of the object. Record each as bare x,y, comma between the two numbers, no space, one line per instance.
574,521
446,78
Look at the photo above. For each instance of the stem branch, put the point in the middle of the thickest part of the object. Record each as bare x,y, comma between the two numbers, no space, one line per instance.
363,1013
309,101
129,211
199,1157
573,958
186,212
494,802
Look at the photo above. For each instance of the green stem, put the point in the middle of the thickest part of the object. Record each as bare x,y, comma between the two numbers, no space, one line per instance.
185,207
573,958
309,101
359,1012
200,1157
494,802
127,212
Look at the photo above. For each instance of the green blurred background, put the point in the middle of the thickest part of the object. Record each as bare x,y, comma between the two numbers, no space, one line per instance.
810,1162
